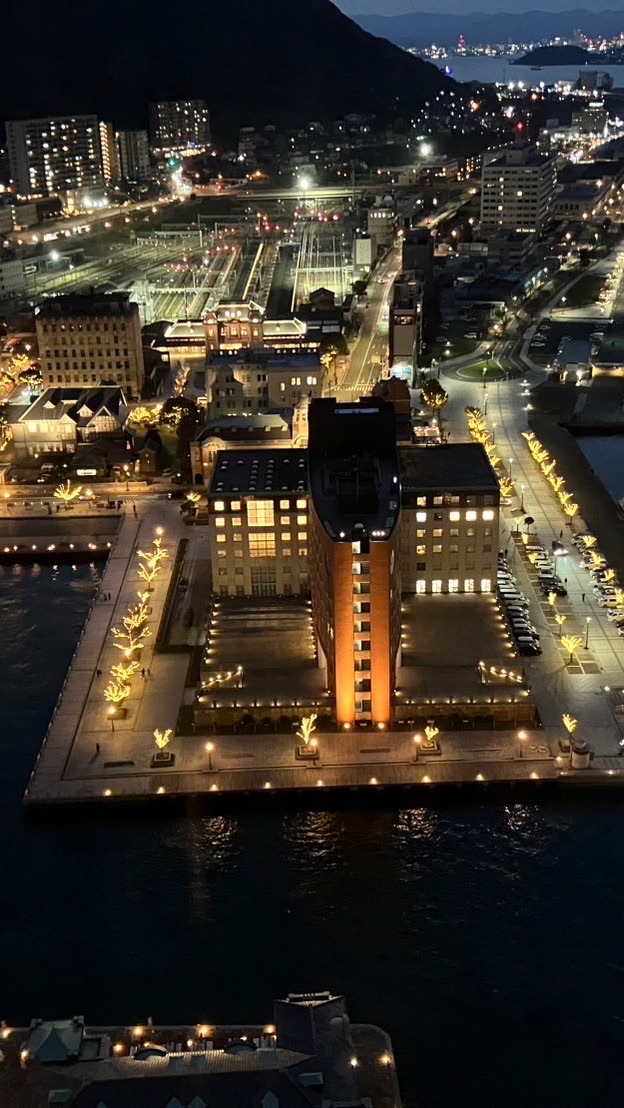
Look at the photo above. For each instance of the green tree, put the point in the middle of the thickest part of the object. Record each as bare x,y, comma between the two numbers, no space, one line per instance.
434,396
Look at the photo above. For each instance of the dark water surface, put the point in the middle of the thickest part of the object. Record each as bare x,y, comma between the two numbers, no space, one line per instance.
488,939
605,453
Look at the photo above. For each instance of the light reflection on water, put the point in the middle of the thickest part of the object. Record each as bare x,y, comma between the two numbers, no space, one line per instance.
484,936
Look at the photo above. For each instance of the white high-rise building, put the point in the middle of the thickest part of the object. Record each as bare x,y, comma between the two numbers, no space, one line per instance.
134,157
517,188
50,156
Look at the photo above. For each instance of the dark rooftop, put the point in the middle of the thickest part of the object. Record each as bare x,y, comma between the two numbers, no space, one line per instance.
255,472
461,465
86,304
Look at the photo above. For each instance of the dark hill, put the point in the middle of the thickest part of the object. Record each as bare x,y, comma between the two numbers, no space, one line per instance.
255,61
556,55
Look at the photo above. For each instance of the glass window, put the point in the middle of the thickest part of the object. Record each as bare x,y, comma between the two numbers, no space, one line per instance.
284,504
260,513
437,500
302,520
470,516
220,521
421,501
236,521
454,515
421,550
302,503
302,536
219,506
420,534
221,538
453,585
285,536
235,505
469,584
262,545
436,586
486,584
454,532
421,517
285,519
437,548
421,586
488,514
421,567
437,532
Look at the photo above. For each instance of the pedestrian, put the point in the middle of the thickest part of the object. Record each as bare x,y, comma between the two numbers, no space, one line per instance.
582,597
98,673
149,673
506,549
565,580
143,674
561,534
97,748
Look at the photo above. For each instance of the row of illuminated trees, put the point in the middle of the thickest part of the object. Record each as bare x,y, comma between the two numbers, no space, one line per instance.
542,458
131,635
480,432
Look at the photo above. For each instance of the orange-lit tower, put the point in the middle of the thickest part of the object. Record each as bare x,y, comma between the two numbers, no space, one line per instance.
353,554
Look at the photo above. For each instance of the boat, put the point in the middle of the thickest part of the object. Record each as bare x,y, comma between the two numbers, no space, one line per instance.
537,68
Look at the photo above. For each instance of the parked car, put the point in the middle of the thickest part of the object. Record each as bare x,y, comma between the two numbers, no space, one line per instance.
528,647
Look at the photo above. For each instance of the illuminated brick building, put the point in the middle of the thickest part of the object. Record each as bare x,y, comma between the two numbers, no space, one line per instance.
354,561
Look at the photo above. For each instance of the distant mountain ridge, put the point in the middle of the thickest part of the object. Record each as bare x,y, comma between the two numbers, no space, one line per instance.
425,28
254,61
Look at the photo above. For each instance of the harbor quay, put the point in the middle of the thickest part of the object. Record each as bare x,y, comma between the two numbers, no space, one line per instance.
96,751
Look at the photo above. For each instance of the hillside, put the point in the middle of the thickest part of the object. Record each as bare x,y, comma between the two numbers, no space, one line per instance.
556,55
256,61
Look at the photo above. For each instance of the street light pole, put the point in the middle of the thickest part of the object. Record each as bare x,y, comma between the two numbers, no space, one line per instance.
522,488
587,623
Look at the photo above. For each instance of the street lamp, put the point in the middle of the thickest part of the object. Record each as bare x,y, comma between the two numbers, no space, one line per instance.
522,738
510,465
522,488
587,623
209,749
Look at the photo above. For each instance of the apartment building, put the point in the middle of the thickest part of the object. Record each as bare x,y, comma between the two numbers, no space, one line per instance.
258,515
517,187
110,154
91,339
380,225
179,126
134,156
450,519
53,155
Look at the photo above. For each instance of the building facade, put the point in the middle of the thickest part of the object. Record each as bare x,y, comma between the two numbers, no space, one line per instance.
450,519
60,420
49,156
258,516
254,380
90,340
179,126
517,187
405,320
134,156
354,555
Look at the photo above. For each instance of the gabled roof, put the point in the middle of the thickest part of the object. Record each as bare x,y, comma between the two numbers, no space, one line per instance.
78,405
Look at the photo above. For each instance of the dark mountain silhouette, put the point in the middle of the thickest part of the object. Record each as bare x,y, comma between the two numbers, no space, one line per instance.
255,61
558,55
423,28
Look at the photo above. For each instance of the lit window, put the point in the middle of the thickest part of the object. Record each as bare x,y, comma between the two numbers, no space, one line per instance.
436,586
302,520
219,506
260,513
471,516
221,538
302,503
420,534
454,515
262,545
469,584
421,517
437,532
421,501
489,514
437,548
453,585
421,586
486,584
421,550
302,536
236,521
235,505
220,521
284,504
285,536
285,519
